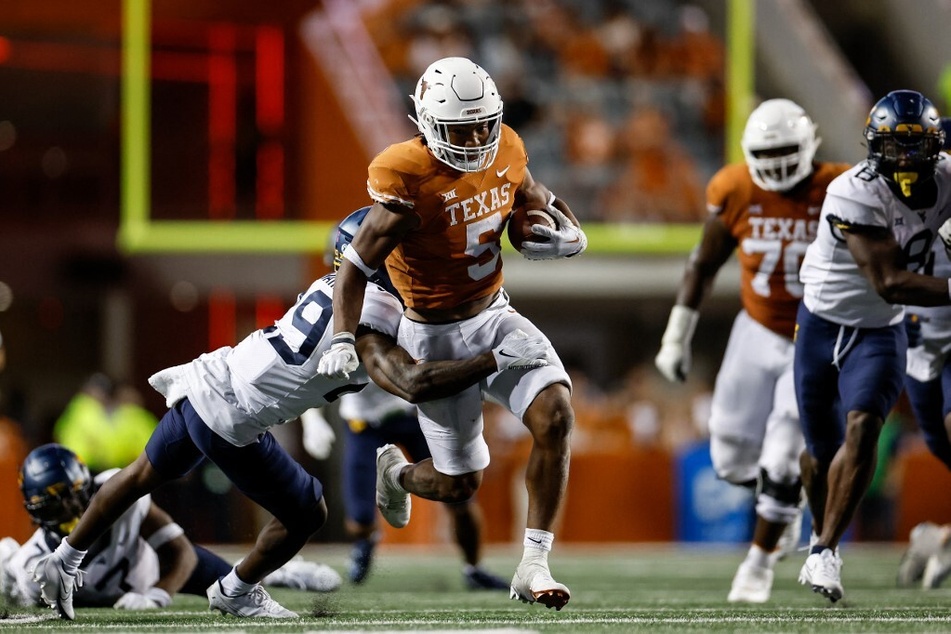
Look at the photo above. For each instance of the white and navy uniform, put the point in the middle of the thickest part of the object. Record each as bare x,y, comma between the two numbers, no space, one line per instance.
850,343
374,418
224,402
118,562
928,377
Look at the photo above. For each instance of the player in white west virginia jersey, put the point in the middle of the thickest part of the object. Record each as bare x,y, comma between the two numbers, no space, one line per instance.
876,230
139,564
928,386
222,405
123,563
766,210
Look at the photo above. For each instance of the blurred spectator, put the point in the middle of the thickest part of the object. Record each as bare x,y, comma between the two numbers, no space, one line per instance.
105,424
436,32
591,67
699,57
695,51
659,181
621,36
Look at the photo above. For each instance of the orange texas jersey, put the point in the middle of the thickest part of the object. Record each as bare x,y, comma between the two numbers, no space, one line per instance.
772,230
454,255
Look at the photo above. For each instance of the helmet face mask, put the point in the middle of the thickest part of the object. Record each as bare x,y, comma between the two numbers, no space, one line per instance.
459,114
779,143
904,137
56,487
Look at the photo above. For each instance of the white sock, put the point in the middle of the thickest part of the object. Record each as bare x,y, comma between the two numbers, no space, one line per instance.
70,556
394,474
233,586
537,545
538,539
759,557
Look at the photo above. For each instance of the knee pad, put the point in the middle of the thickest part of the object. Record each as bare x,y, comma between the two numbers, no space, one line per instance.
735,460
778,501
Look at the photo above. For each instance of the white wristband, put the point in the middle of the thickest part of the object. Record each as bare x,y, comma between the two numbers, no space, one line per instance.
350,254
164,535
343,337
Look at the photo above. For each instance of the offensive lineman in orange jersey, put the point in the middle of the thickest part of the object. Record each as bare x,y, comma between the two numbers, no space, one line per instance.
441,201
767,210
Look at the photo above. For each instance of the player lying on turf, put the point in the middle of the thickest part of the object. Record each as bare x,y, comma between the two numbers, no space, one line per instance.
139,565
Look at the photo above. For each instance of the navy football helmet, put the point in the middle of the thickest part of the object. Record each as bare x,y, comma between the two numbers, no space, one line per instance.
56,487
343,236
946,126
904,136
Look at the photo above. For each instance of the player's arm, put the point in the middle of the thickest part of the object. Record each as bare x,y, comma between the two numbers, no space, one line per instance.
564,242
532,194
380,232
882,261
176,559
392,368
716,246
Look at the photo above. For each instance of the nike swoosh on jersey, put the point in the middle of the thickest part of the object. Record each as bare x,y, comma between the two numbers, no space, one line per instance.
500,173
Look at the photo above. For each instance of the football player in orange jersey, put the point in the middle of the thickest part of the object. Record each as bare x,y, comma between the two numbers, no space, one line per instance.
767,211
441,201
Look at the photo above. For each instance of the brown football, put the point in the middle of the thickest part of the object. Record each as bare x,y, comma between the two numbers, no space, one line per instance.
520,226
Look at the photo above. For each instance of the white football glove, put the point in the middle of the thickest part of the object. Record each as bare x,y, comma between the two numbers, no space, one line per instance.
151,599
341,359
673,360
319,436
520,351
564,242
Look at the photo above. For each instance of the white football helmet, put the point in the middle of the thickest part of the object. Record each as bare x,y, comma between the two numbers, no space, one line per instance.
456,91
775,124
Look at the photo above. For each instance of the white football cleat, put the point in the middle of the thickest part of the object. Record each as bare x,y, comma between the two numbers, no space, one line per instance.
751,584
257,603
392,500
924,542
57,585
533,583
823,572
304,575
